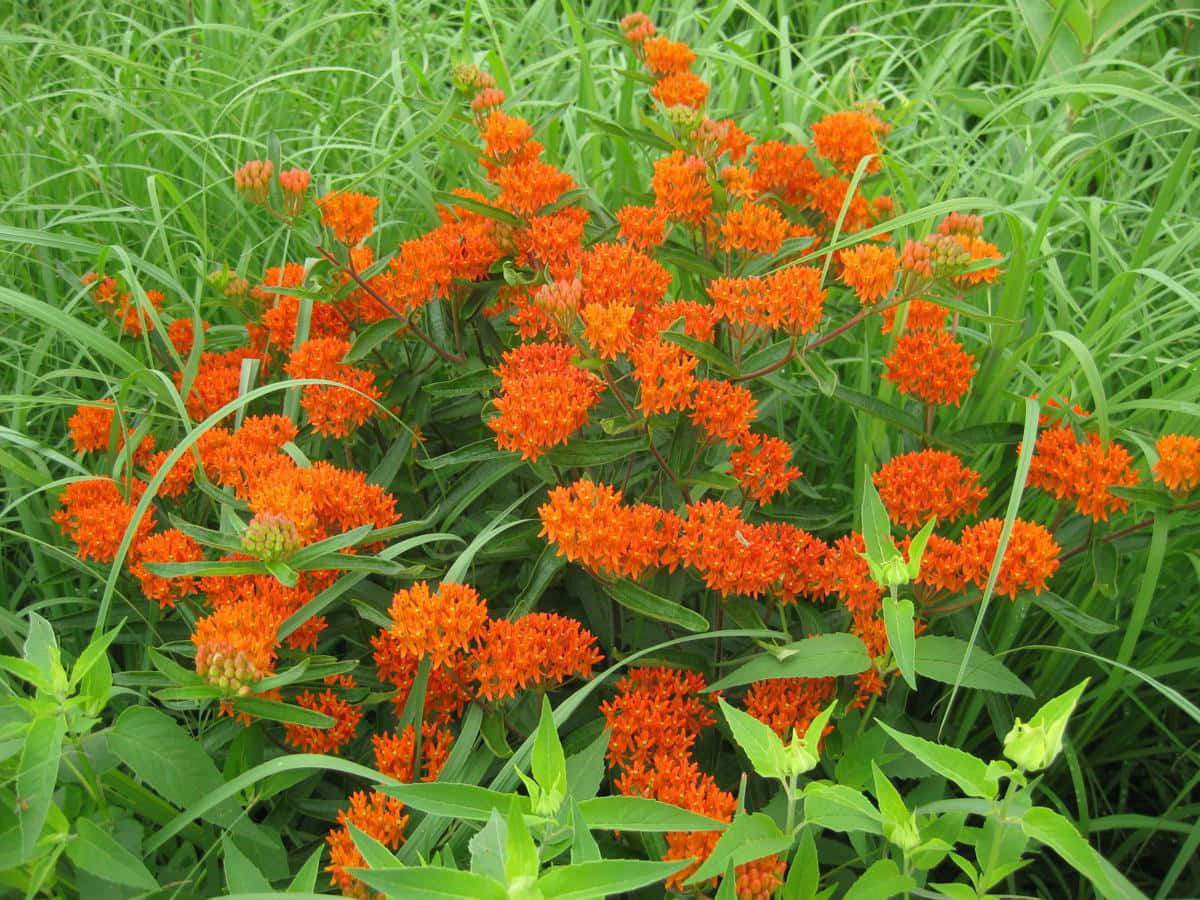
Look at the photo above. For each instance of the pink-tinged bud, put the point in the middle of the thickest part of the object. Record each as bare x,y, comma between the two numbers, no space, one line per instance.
253,180
271,537
294,184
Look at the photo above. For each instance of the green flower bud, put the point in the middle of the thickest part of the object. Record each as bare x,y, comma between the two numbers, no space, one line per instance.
1035,744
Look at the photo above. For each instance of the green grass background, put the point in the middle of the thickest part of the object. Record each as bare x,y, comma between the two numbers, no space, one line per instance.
1073,129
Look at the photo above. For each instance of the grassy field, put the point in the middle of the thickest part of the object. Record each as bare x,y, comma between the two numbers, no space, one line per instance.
1073,133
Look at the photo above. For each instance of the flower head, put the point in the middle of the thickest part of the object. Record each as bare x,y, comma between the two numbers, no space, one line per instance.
1178,465
915,486
930,365
439,624
350,215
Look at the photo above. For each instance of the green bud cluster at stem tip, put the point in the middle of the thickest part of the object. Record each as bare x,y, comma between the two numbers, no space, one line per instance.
232,672
1035,744
271,537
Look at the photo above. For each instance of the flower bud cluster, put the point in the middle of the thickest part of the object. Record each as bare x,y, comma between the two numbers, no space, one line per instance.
271,537
294,184
253,180
231,671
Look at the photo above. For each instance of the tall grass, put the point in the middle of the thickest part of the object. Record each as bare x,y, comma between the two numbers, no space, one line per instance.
123,122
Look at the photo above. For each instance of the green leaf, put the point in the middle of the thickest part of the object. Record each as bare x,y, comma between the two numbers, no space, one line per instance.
520,852
96,650
241,875
882,880
636,598
457,801
815,657
825,377
939,658
168,759
804,874
548,763
876,527
589,880
749,837
968,772
451,200
376,854
494,734
583,846
282,712
916,549
595,452
430,883
898,619
1070,614
41,646
1058,833
305,881
585,769
97,852
759,742
643,814
37,773
840,808
487,848
899,825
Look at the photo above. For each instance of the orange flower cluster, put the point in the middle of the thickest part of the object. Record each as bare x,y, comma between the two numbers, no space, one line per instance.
754,228
537,651
1178,465
350,215
655,719
642,227
395,754
916,486
437,625
346,717
95,516
931,366
374,813
112,295
333,411
723,411
91,426
1082,471
170,546
1029,560
789,704
870,269
790,299
761,465
844,138
544,398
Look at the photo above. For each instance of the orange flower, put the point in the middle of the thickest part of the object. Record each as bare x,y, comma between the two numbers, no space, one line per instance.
681,189
828,197
643,227
1178,465
754,228
637,27
540,650
95,516
699,319
654,710
421,270
236,645
783,170
680,89
801,558
848,576
439,624
739,182
376,814
346,717
544,398
925,483
504,136
243,458
618,273
395,753
446,694
351,215
1030,559
790,298
930,365
942,565
870,269
844,138
554,241
217,382
664,372
90,427
170,546
762,467
667,57
294,184
977,249
723,410
333,411
591,526
179,479
181,334
923,315
1081,471
529,185
732,556
789,704
608,328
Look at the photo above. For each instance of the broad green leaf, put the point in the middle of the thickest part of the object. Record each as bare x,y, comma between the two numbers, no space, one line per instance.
583,846
968,772
898,619
585,769
636,598
430,883
643,814
241,875
602,878
520,852
815,657
98,852
548,763
939,658
840,808
376,854
487,848
168,759
1058,833
882,880
37,773
804,874
1070,614
282,712
305,881
457,801
596,452
41,646
749,837
759,742
825,377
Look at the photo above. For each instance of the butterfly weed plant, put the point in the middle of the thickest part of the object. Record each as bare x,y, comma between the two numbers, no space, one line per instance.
518,559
